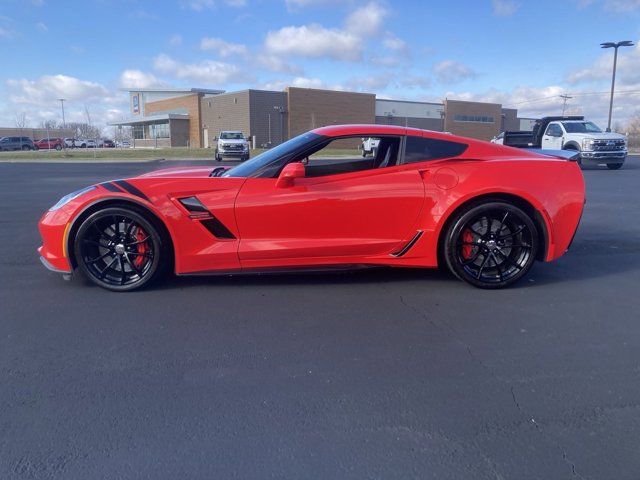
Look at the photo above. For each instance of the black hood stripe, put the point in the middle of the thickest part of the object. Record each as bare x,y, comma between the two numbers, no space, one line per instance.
111,187
131,189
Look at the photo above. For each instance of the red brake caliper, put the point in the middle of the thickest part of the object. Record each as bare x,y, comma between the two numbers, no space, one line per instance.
467,237
141,247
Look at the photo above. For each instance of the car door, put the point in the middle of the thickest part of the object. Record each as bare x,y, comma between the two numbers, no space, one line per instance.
552,138
342,216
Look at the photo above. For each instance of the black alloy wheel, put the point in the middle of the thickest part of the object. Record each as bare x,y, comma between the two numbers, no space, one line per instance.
119,249
491,245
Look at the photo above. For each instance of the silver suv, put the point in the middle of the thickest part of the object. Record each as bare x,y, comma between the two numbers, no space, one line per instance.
16,143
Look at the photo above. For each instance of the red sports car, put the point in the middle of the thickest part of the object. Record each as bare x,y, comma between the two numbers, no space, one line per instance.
423,199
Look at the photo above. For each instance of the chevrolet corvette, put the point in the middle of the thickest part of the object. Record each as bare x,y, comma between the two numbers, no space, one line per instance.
423,199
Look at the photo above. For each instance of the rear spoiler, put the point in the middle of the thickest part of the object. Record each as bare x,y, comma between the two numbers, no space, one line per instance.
571,155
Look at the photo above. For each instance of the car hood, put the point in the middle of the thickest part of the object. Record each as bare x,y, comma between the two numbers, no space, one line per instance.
600,136
180,172
232,141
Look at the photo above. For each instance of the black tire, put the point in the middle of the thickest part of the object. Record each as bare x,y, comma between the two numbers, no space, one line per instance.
36,148
26,148
480,244
614,166
58,147
120,249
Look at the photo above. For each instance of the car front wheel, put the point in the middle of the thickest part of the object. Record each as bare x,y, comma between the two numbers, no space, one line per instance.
119,249
491,245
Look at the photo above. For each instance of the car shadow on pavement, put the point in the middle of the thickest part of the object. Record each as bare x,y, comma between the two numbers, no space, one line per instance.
360,276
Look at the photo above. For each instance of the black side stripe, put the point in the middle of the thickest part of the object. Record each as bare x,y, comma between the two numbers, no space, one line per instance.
111,187
131,189
408,246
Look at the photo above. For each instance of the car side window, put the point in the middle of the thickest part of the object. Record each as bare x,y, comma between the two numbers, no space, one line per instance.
421,149
553,130
352,154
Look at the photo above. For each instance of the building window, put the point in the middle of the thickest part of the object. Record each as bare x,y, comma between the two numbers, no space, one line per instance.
138,132
159,130
474,118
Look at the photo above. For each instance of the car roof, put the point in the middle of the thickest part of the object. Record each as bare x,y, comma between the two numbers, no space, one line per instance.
376,129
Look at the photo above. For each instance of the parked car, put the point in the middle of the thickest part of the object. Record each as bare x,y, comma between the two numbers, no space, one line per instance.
16,143
106,143
50,143
72,142
123,144
369,146
232,144
426,199
574,133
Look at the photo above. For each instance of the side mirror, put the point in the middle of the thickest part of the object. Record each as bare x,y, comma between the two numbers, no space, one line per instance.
289,173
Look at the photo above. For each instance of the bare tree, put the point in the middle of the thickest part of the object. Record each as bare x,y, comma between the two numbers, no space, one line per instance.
21,121
49,125
633,131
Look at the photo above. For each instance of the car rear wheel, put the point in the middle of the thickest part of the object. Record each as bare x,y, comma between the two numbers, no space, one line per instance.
491,245
58,147
119,249
614,166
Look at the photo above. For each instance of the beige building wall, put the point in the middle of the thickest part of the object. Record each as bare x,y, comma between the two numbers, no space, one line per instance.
310,108
190,103
229,111
454,110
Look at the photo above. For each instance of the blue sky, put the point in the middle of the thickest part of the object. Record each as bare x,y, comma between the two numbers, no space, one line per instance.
520,53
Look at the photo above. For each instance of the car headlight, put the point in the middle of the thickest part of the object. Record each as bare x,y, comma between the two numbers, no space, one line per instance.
587,144
67,198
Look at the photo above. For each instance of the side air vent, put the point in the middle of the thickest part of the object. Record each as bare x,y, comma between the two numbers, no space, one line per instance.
407,247
217,228
193,205
208,220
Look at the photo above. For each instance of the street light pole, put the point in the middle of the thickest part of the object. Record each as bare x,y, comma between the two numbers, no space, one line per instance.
62,100
615,46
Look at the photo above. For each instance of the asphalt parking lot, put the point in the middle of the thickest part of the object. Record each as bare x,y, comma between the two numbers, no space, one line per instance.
376,374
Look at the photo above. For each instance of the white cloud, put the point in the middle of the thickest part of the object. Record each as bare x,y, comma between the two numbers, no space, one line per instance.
200,5
47,89
314,41
207,72
296,4
366,20
275,63
450,71
42,28
5,33
138,79
505,8
628,69
175,40
317,41
621,6
537,102
223,48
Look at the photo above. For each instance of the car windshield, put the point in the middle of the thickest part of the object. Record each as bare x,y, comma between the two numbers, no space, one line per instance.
249,167
231,136
581,127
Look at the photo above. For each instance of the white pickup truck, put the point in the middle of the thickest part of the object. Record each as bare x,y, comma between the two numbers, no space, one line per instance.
572,133
232,144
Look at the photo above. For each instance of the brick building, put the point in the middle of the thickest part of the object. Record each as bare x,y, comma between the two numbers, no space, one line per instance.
194,117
